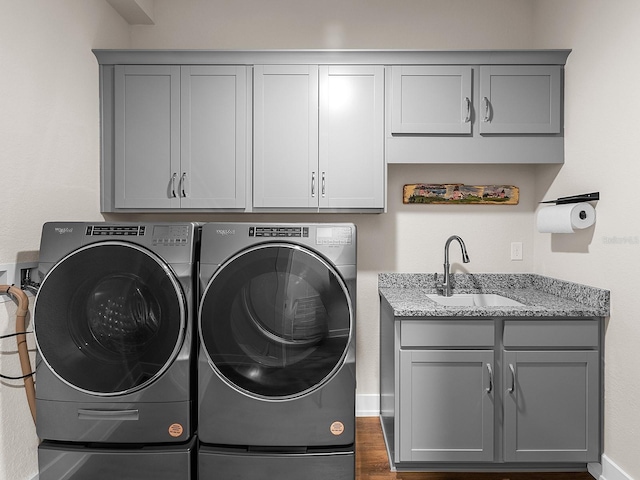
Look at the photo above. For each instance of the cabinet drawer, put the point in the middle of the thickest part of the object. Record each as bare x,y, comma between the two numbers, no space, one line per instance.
551,333
447,333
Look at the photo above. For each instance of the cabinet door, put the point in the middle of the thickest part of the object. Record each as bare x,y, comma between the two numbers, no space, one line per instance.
520,99
214,137
147,136
285,136
431,99
446,405
551,406
351,148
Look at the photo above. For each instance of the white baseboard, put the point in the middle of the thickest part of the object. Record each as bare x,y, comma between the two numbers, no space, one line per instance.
367,405
608,470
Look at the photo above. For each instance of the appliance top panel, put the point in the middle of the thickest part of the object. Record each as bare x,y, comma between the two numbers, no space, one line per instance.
335,241
173,242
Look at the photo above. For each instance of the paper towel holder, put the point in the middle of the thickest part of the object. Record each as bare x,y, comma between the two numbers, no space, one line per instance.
584,197
568,215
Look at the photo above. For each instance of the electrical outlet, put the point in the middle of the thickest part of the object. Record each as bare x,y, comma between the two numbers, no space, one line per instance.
516,250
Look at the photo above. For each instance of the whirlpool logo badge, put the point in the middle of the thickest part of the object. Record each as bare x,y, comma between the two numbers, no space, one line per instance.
226,232
63,230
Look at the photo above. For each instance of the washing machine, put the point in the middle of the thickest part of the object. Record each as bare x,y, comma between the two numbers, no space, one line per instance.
114,327
276,364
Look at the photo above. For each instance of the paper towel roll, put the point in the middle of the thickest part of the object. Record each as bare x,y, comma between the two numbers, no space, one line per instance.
566,218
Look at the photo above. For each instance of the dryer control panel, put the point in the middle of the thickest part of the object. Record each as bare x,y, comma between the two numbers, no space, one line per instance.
279,231
324,235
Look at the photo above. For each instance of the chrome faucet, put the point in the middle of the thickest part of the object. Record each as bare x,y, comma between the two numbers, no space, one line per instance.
445,286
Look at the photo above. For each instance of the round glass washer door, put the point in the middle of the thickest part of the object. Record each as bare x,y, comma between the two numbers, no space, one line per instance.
109,318
275,321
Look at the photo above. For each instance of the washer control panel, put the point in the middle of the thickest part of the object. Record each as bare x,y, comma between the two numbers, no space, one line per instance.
115,230
166,235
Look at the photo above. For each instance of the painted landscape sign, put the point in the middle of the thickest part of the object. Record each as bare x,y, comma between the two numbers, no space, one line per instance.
458,193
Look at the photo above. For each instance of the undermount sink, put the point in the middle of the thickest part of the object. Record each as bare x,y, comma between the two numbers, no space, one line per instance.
474,300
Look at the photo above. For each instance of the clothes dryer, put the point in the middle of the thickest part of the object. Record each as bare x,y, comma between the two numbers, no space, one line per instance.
276,366
114,327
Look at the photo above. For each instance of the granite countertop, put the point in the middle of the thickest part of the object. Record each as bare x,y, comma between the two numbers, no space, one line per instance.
541,296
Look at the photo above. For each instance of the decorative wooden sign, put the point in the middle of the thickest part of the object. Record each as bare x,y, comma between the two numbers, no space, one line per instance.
458,193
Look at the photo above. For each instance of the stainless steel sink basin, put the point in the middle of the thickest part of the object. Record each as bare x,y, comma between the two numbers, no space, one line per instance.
474,300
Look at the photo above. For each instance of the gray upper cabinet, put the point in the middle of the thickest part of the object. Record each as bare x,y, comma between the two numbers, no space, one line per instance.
318,137
180,137
431,99
520,99
476,108
285,136
214,136
351,142
147,136
313,131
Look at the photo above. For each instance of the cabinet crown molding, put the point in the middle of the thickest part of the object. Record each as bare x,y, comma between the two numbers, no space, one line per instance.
335,57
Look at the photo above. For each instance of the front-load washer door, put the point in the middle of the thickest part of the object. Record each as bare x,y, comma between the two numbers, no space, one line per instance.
109,318
275,321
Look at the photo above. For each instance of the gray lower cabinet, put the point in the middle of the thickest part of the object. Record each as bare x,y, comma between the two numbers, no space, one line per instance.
318,137
180,137
552,390
551,406
446,405
491,393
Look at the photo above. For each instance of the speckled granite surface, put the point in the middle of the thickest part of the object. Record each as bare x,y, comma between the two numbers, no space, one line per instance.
541,296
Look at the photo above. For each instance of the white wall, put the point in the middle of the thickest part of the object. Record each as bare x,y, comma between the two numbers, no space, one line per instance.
602,144
50,126
411,24
49,159
49,115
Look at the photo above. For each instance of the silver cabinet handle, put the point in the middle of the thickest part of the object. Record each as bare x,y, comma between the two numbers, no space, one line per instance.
490,387
487,109
173,185
313,184
323,183
512,388
183,182
467,117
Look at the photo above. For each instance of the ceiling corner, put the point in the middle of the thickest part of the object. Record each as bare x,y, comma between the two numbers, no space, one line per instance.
135,12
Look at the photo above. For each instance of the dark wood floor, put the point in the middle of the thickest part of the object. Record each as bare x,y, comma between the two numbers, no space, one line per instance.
372,462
